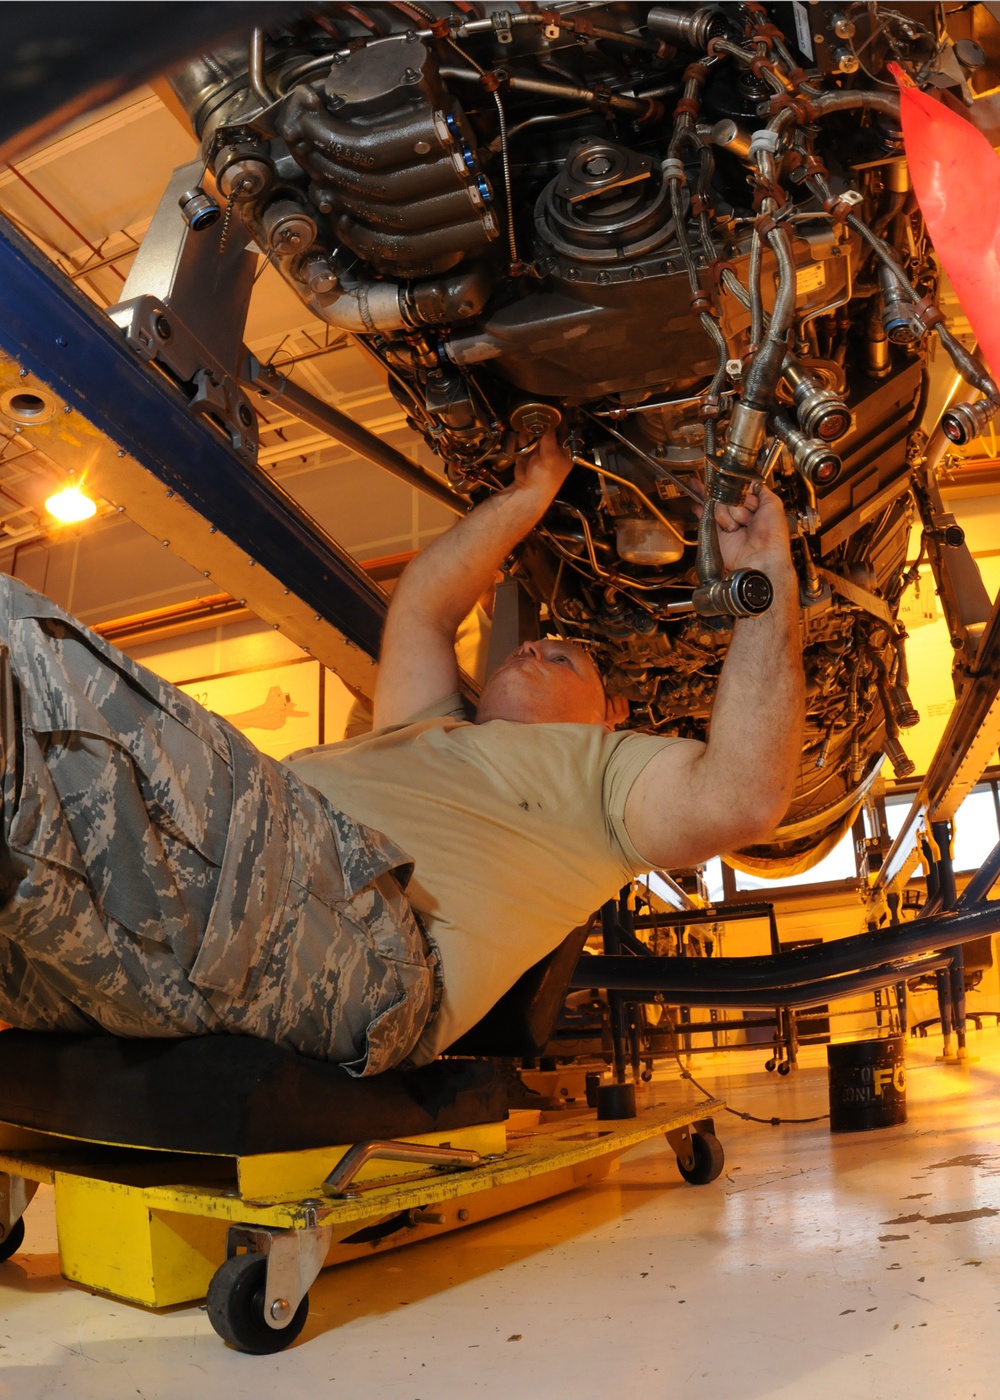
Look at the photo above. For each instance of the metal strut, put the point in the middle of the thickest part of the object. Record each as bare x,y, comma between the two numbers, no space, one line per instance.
52,330
802,977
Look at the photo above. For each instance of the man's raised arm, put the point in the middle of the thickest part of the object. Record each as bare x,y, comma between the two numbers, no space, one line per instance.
438,588
693,801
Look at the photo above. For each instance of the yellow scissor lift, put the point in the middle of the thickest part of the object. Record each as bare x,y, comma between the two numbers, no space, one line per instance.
253,1232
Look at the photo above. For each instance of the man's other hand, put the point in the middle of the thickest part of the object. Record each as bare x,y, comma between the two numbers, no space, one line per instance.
755,534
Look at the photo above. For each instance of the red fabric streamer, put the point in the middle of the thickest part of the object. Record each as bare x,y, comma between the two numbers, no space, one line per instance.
956,179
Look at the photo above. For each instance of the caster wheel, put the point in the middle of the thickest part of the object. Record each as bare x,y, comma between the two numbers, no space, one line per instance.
784,1067
770,1065
236,1308
646,1076
709,1159
13,1241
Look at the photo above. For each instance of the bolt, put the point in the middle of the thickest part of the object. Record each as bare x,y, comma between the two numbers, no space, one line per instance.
66,408
165,543
463,1215
421,148
162,327
212,529
169,493
245,415
410,75
23,373
280,1309
120,452
61,340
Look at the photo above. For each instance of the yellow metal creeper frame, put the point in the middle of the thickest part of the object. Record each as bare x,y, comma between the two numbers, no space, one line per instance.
153,1227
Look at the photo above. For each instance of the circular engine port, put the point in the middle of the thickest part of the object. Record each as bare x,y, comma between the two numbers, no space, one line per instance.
606,203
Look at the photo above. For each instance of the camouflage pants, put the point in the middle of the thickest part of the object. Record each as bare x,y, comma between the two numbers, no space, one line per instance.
161,877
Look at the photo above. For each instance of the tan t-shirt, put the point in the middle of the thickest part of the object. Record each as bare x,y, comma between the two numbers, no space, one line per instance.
516,832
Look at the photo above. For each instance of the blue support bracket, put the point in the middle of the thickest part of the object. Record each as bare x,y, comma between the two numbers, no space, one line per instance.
52,330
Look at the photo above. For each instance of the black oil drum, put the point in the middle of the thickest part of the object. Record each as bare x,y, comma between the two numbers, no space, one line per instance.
867,1084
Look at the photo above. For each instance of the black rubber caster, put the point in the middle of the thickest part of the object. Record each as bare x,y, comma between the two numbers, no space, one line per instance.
236,1308
770,1065
616,1101
13,1240
784,1067
709,1159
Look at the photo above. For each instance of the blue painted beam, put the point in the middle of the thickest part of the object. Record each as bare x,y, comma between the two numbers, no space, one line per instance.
51,329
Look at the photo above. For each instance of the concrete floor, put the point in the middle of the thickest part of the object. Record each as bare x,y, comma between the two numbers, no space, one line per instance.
861,1265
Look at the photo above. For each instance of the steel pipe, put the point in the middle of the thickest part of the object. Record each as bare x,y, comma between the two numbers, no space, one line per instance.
754,978
323,416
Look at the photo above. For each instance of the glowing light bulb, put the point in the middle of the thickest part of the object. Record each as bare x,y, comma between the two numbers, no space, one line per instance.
70,506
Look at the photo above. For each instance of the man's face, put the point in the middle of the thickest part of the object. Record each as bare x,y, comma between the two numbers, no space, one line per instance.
545,682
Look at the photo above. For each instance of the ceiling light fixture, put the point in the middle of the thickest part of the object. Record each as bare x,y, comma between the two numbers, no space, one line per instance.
70,505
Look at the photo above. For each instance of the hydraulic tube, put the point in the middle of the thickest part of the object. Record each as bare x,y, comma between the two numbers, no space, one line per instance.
742,593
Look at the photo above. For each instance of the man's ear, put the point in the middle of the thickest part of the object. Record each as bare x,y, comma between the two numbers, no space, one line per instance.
615,710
